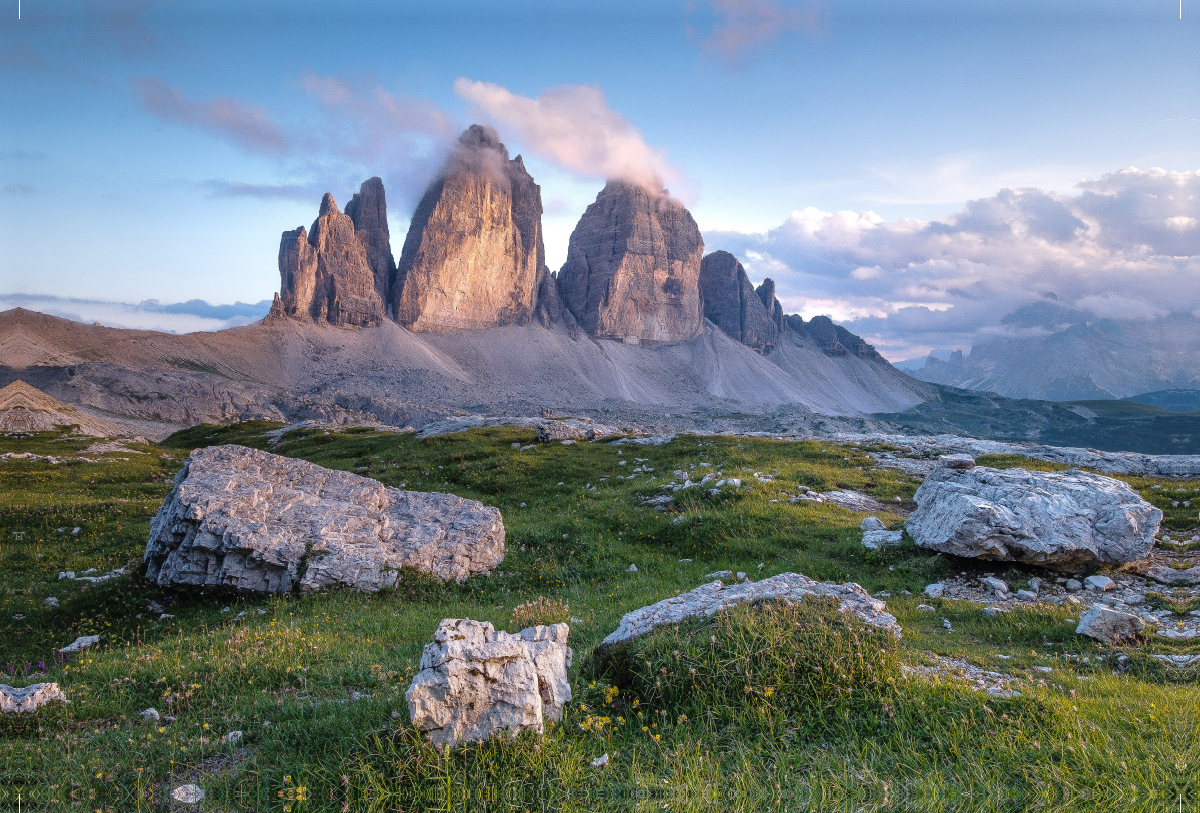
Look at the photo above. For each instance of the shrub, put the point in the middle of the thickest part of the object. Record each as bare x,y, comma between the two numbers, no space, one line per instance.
801,666
542,610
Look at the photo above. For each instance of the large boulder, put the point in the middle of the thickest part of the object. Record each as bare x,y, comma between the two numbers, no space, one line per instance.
633,267
474,256
732,304
710,599
476,682
29,698
1067,520
325,274
252,521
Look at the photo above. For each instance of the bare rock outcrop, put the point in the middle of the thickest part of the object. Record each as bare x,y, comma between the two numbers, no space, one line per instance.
476,682
252,521
1068,520
1109,625
474,255
325,274
732,304
766,295
24,408
633,267
710,599
833,340
29,698
368,211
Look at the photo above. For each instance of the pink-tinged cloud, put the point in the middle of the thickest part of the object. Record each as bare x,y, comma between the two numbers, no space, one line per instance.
572,126
742,25
247,125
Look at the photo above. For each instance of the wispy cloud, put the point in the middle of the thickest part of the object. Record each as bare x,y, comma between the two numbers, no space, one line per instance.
573,126
741,26
18,189
23,155
262,191
245,124
911,285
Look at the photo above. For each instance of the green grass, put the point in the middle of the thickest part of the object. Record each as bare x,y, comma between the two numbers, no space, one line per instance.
316,682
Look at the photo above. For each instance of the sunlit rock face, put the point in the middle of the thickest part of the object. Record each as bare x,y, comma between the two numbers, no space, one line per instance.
633,267
325,275
474,256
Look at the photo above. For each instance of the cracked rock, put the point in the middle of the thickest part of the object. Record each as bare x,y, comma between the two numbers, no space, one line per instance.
252,521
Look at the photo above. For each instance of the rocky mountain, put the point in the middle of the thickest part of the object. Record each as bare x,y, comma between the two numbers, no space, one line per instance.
1061,354
766,295
633,268
368,211
325,274
732,304
473,257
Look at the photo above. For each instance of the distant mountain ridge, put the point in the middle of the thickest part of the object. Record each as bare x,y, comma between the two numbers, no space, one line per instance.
1062,354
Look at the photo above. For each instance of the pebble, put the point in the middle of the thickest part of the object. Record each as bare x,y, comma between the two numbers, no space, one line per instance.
935,590
925,608
631,569
51,602
188,794
149,714
1098,583
600,761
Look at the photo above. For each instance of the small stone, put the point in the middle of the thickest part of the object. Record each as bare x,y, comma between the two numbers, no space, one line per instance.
51,601
149,715
1106,624
685,561
81,643
719,574
741,576
1035,584
935,590
522,505
233,736
925,608
872,524
991,582
631,569
946,625
516,445
1099,583
1074,585
188,794
961,462
66,574
600,761
991,612
1026,595
75,531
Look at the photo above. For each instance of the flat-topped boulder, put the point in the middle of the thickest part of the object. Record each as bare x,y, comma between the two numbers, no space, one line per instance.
476,682
1067,520
251,521
710,599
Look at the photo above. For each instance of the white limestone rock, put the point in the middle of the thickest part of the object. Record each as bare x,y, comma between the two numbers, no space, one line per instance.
29,698
1109,625
252,521
1067,520
709,599
476,682
876,535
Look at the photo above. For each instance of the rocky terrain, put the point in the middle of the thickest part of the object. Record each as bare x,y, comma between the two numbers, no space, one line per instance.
26,409
731,303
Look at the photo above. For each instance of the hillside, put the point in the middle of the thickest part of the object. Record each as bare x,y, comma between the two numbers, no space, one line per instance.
287,369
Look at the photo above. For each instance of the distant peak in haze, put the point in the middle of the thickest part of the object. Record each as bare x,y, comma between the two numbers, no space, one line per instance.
149,314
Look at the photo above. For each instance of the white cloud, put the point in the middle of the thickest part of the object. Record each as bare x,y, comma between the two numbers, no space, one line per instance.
573,127
183,317
1122,247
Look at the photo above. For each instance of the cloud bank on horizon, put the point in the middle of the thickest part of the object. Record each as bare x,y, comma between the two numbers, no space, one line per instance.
177,317
1127,246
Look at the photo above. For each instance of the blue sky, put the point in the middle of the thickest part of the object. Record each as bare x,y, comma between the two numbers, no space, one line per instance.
153,150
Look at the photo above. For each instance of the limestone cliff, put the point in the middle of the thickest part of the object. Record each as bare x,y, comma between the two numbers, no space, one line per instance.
732,304
368,211
766,295
474,256
325,275
833,340
633,267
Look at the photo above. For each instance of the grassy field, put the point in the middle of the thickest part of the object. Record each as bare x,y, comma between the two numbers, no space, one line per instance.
768,709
